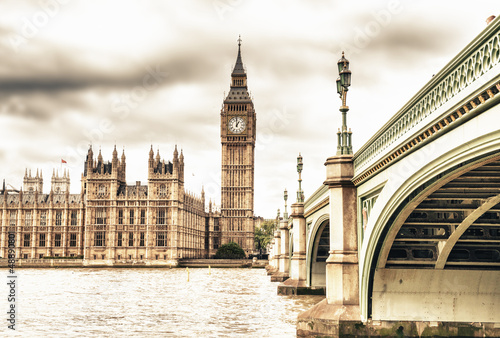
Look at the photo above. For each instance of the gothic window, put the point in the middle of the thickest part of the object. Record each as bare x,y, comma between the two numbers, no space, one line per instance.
102,191
57,240
12,220
74,219
72,240
143,216
130,239
99,239
161,239
131,217
162,190
43,218
42,240
160,217
100,216
141,239
27,219
58,217
27,238
120,216
120,239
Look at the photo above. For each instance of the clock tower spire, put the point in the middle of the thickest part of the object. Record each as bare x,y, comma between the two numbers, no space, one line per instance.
238,122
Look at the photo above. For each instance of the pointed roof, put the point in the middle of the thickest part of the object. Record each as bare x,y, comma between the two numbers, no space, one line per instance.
151,153
238,67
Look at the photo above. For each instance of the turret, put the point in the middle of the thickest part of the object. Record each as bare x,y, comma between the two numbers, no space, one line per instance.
151,158
32,183
181,167
60,185
115,157
123,166
89,162
157,156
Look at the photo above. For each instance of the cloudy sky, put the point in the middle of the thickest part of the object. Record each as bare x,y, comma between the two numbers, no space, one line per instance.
142,73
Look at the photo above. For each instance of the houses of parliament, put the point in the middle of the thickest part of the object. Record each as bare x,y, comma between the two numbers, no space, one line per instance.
112,221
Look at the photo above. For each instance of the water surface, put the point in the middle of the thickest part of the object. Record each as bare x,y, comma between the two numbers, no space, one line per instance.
153,302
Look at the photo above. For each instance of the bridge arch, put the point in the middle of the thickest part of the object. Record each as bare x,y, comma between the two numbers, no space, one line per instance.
318,242
392,228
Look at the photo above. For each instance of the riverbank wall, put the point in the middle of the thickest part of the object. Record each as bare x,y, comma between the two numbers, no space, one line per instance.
182,263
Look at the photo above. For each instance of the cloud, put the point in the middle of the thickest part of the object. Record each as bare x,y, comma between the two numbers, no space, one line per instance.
86,77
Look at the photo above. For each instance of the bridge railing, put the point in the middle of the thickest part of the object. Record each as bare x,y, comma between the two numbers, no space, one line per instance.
480,56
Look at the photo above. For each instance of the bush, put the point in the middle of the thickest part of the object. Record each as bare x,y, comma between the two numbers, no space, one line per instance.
230,251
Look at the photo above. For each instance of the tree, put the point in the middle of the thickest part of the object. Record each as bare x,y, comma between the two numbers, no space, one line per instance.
230,251
264,234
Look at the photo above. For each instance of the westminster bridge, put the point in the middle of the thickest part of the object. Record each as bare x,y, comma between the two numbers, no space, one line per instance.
404,234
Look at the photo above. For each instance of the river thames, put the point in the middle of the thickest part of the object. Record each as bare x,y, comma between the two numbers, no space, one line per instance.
153,302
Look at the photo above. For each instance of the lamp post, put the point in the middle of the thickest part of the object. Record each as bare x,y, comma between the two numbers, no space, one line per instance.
300,193
285,214
277,225
344,145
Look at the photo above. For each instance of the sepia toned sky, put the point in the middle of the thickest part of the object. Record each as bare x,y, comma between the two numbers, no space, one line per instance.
140,73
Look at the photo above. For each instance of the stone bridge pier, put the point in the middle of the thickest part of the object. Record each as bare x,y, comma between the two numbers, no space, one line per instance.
341,306
296,284
281,273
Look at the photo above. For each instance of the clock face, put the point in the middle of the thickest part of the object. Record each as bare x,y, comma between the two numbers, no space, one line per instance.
236,125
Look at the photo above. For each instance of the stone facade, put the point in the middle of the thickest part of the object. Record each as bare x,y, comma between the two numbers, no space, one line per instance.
110,220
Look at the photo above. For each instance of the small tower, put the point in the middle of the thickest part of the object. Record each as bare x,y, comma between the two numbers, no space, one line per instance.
100,179
32,184
181,167
123,167
162,176
60,185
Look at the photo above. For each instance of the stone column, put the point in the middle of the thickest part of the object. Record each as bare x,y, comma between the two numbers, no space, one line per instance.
339,313
342,276
277,249
276,257
285,248
270,267
281,274
298,264
297,281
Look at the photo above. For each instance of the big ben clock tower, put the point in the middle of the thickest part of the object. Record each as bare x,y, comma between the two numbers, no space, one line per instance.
238,146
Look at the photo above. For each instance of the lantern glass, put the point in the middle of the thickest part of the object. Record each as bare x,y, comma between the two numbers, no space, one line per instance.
299,163
340,65
339,86
345,78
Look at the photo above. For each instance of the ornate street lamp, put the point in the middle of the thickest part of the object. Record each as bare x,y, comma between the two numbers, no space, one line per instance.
300,193
343,82
285,214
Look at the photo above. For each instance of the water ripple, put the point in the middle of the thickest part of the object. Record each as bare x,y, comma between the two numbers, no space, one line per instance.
154,302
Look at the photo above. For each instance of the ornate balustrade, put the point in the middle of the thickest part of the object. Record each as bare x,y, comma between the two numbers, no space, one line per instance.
479,57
